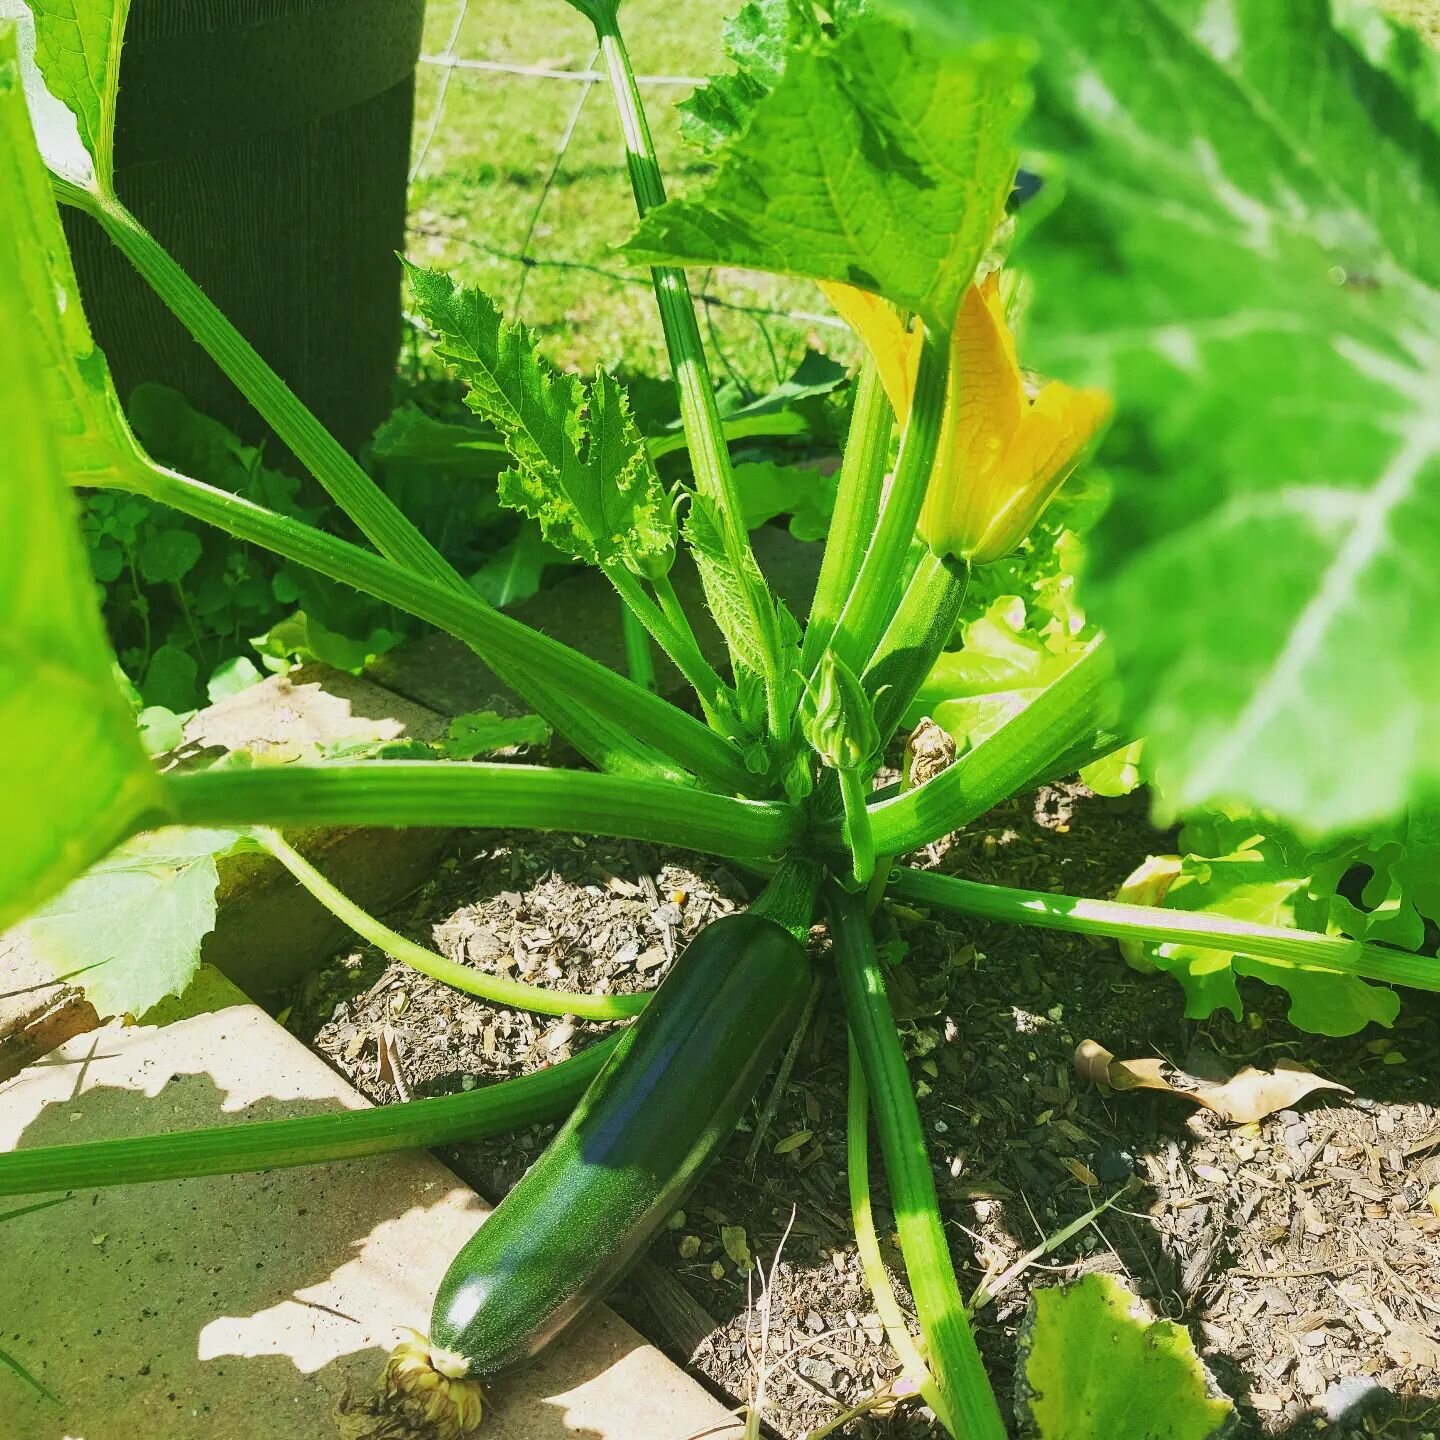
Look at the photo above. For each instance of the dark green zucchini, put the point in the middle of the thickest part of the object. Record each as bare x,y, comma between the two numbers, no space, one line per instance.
649,1123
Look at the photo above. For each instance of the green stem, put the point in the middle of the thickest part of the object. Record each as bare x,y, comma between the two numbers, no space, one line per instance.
639,663
328,461
613,723
178,591
920,631
854,792
674,611
494,988
857,1168
700,417
950,1345
857,506
679,645
1047,728
789,895
307,1139
872,599
404,793
1301,949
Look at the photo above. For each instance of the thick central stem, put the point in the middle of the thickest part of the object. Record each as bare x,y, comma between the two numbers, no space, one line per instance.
876,590
700,416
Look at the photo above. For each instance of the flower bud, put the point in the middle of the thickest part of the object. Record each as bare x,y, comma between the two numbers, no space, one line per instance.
838,718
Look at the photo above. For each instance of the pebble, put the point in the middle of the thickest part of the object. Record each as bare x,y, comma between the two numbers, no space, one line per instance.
1113,1165
814,1322
1350,1398
817,1371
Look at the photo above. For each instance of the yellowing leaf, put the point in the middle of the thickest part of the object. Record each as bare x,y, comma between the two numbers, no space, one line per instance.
737,1247
1248,1095
1147,884
1094,1364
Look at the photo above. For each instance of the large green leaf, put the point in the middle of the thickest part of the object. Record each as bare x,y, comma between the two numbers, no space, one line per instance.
881,158
804,494
582,468
72,76
1410,59
1251,869
998,670
1400,868
755,40
94,441
134,923
1248,257
72,771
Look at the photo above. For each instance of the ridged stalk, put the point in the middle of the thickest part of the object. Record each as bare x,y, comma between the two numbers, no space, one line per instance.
953,1356
306,1139
1302,949
404,793
857,507
494,988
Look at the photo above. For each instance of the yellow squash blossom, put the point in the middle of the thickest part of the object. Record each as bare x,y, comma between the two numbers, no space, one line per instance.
1004,452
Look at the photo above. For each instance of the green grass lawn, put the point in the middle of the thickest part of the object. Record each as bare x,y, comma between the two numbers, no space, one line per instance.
483,175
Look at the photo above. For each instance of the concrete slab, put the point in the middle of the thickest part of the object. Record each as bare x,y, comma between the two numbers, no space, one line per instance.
232,1307
269,930
312,705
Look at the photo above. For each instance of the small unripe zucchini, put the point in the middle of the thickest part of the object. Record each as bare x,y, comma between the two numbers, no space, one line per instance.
651,1120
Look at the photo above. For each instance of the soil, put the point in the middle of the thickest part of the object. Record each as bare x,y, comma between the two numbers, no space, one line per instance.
1302,1251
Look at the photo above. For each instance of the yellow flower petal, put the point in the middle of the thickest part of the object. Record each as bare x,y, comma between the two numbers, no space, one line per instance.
1002,454
1006,455
877,323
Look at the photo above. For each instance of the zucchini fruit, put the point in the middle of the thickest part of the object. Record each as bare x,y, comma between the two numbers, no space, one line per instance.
667,1099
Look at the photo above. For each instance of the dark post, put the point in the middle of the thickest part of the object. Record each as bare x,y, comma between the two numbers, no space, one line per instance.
265,143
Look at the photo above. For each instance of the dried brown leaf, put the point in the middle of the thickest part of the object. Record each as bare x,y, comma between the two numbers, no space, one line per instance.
1247,1096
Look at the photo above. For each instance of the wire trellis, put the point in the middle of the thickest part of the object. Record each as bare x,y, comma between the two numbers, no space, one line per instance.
448,62
547,72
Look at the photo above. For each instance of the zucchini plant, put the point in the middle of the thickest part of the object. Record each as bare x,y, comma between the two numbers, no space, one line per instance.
1216,270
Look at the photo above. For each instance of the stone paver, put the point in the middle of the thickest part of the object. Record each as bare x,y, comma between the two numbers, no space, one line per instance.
269,930
233,1307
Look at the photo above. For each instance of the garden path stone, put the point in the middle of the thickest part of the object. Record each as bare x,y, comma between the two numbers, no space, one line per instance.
229,1307
269,929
